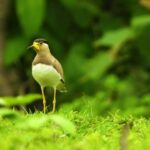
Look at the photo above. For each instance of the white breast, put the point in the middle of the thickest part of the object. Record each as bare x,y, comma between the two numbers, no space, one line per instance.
46,75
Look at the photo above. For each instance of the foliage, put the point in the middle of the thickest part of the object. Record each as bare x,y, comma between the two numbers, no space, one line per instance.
30,23
41,132
19,100
106,44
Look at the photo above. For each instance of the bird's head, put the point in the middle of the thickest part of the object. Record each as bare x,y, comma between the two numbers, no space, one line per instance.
40,45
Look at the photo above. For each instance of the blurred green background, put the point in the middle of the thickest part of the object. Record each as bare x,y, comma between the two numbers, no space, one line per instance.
103,47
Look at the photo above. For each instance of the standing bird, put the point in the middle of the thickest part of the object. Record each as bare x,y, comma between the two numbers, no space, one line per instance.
47,70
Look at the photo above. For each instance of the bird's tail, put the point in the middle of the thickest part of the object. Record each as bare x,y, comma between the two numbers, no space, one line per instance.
62,88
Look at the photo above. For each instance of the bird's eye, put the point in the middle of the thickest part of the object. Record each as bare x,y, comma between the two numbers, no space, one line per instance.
40,43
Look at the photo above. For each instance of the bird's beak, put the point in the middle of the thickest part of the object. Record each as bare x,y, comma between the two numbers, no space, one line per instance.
31,46
35,45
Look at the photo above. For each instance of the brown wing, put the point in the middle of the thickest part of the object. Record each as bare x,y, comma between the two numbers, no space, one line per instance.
58,67
61,87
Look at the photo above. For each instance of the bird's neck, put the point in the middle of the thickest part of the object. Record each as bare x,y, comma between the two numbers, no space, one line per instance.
43,53
45,58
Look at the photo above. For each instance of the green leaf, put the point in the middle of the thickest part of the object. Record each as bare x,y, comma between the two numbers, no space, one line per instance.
19,100
111,82
31,15
8,113
33,122
141,28
67,126
76,57
97,66
15,48
146,99
57,14
113,38
140,21
83,12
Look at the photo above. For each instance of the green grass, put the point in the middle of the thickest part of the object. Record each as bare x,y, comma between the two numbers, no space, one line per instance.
72,130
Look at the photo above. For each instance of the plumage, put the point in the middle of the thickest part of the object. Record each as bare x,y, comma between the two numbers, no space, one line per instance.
44,56
47,70
48,59
41,40
46,75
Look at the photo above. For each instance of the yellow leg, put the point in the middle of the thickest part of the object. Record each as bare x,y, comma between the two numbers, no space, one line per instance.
54,101
44,100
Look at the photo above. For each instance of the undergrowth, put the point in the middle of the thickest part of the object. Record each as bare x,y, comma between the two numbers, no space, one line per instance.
72,130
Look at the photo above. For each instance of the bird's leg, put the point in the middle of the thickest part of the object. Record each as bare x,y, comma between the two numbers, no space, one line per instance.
54,100
44,100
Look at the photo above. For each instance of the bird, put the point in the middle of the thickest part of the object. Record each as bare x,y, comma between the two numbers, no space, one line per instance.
47,70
